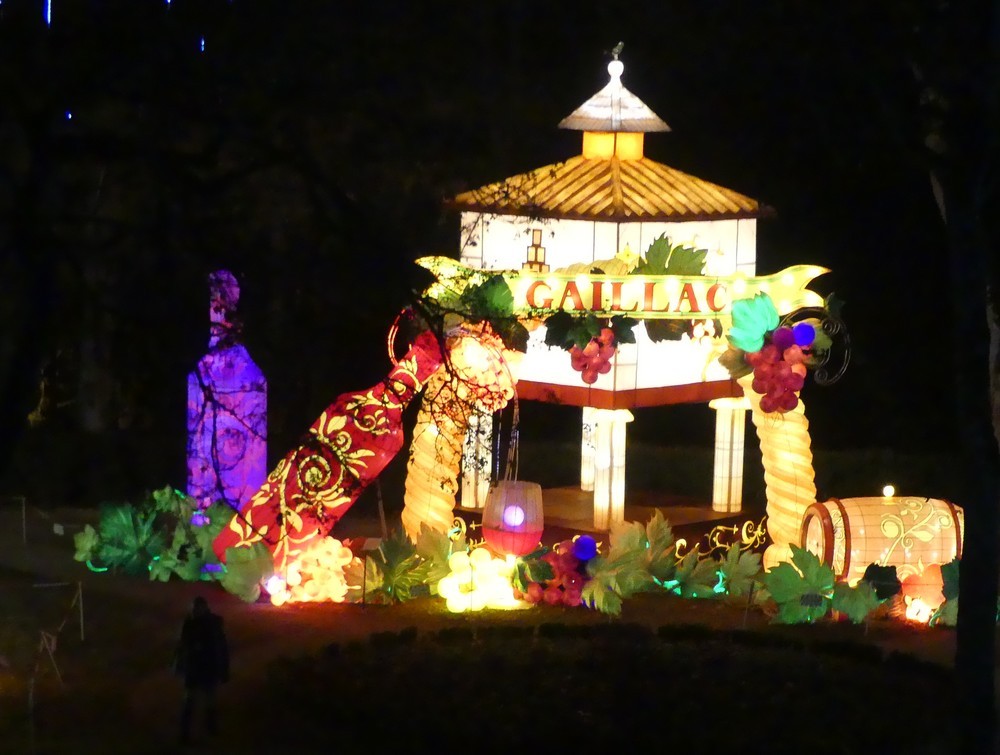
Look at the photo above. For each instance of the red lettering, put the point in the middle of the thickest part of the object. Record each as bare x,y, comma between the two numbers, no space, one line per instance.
647,299
710,297
616,298
687,294
571,292
597,299
530,296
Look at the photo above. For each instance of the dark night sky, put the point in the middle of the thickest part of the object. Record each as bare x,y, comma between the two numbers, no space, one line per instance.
805,107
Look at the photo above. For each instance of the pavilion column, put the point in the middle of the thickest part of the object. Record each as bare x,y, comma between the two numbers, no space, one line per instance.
609,466
587,449
477,460
730,432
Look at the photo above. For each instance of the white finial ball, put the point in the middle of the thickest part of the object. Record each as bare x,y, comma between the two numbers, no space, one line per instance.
615,68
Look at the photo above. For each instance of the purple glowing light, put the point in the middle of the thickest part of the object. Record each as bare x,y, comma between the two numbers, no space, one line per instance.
227,409
513,516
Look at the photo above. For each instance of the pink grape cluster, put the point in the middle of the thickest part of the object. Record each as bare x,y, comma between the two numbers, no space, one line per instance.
779,370
595,358
566,585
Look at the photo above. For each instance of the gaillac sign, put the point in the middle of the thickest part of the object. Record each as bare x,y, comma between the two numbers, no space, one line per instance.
679,297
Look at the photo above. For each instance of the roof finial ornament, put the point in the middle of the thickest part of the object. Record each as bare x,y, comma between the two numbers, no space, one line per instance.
616,67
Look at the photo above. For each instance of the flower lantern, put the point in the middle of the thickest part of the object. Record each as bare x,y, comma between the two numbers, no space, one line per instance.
513,519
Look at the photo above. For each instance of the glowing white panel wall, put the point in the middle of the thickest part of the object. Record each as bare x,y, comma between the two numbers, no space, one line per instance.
501,242
730,432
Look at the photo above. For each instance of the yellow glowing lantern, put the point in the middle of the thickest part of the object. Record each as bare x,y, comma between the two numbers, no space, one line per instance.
476,379
316,574
513,519
786,454
906,532
477,581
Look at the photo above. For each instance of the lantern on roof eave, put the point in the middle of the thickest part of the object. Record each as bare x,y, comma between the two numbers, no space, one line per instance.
513,519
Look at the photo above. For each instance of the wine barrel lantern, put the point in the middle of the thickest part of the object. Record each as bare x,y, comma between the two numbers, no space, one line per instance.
848,534
512,518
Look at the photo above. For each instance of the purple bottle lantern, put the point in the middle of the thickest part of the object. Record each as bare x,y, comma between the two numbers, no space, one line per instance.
227,409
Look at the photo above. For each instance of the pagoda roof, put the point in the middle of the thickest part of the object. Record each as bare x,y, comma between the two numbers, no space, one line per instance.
614,108
610,189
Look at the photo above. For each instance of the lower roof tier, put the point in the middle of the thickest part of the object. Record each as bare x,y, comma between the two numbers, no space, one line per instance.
585,395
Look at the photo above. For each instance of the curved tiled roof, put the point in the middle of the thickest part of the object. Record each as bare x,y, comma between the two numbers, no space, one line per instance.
610,189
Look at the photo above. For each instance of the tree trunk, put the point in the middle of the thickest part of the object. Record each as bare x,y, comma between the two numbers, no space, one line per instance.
979,472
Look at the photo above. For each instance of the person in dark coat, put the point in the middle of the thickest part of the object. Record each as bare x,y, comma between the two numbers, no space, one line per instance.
202,658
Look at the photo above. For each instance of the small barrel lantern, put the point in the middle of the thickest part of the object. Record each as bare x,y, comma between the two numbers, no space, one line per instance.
512,517
903,531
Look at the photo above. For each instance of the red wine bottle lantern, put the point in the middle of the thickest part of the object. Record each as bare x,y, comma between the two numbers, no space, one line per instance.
512,518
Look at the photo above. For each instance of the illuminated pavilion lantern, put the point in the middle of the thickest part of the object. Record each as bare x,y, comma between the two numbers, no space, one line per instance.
606,204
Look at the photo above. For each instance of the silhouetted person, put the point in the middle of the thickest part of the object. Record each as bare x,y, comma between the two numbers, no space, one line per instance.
203,660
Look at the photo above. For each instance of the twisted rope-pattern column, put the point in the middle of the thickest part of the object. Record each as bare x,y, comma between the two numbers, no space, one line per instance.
476,377
435,458
789,478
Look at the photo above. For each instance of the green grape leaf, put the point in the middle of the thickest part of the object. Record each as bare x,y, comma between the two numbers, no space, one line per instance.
696,577
657,255
627,579
883,579
161,568
513,334
833,305
753,319
557,327
686,260
949,575
538,571
625,538
367,573
600,597
623,328
401,568
856,602
666,330
660,561
246,568
435,548
86,542
490,300
946,614
739,570
734,360
802,589
219,516
129,538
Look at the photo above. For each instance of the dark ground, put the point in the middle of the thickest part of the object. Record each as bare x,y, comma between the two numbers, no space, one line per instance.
314,677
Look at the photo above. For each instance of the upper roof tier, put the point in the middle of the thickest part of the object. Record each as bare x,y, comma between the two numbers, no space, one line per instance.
614,108
611,180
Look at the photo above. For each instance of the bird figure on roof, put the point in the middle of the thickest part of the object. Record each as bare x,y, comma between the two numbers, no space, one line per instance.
617,50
